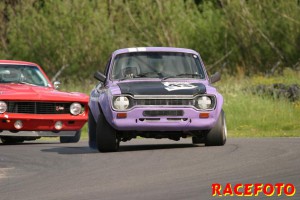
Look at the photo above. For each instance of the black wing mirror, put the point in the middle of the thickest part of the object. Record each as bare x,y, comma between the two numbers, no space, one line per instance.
99,76
215,77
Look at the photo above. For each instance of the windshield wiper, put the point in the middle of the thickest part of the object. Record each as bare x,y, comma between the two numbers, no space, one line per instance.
185,74
147,73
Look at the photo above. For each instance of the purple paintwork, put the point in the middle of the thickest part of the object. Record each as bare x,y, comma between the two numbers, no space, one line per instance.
102,97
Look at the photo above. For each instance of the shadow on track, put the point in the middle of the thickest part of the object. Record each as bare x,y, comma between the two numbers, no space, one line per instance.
123,148
145,147
26,144
70,150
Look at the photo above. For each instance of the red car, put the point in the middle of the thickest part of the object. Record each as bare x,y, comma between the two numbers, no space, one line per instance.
31,107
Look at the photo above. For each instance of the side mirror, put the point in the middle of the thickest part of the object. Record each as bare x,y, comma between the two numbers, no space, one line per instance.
56,84
99,86
99,76
215,77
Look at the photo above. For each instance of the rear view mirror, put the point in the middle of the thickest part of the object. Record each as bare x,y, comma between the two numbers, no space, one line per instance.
215,77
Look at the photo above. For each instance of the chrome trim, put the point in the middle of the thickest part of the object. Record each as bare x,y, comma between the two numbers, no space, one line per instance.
37,133
163,97
166,97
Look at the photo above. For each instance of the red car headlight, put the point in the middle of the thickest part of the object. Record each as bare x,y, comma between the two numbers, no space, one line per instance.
75,108
3,107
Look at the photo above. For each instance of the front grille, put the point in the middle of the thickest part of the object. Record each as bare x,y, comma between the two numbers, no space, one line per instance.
155,113
164,102
38,107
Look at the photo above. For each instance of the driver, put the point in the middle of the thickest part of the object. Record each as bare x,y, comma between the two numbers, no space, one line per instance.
130,70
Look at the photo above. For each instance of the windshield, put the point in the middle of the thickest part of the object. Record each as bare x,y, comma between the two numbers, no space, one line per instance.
22,74
156,65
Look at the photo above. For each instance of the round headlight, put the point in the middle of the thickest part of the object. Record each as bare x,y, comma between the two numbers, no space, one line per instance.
204,102
18,124
75,108
121,103
58,125
3,107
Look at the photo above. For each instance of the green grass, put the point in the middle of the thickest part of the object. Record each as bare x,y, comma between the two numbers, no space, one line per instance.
250,115
247,115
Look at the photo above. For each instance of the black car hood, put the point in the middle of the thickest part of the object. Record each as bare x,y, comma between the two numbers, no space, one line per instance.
162,88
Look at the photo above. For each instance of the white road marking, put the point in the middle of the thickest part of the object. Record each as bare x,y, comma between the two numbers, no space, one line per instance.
4,172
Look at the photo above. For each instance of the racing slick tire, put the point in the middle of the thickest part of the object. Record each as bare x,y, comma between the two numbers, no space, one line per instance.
92,127
73,139
11,140
218,134
106,136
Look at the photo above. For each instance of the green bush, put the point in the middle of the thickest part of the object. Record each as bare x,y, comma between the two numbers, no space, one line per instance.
256,35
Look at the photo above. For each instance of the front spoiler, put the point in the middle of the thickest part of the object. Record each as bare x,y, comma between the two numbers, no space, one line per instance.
37,133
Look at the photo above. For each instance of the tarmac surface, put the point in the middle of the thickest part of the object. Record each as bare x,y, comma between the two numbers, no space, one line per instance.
145,169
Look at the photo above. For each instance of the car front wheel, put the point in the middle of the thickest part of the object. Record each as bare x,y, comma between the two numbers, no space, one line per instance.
92,131
218,134
106,136
72,139
11,140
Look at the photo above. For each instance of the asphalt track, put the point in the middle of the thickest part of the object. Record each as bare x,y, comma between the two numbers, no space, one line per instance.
145,169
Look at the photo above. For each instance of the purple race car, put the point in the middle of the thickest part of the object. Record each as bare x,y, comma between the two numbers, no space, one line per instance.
155,92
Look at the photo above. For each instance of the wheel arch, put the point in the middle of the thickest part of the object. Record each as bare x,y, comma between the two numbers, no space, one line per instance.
219,107
102,105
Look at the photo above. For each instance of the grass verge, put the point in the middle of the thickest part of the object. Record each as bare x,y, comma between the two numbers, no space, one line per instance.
250,115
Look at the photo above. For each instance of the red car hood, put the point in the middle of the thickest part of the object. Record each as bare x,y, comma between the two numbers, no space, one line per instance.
23,92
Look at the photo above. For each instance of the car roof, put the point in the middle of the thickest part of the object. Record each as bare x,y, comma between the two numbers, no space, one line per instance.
154,49
11,62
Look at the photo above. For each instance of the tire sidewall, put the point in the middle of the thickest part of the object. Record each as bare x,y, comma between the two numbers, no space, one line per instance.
106,136
71,139
92,128
217,136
